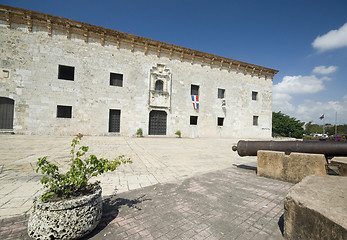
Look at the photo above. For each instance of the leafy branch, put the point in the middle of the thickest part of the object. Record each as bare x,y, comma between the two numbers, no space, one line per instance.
82,169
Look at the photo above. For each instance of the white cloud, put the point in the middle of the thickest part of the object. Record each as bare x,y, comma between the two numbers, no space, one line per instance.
300,85
312,110
308,110
281,102
324,70
332,40
296,85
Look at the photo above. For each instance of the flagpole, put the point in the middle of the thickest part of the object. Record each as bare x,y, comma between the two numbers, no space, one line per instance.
336,123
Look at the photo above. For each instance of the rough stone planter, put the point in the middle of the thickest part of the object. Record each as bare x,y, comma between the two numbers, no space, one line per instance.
65,219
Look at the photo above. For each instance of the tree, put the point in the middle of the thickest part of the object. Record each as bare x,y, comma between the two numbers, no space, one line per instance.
313,128
285,126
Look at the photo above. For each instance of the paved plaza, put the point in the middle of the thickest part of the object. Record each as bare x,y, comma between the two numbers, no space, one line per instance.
176,188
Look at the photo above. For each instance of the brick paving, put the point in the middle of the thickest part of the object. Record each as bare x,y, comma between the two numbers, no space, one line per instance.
231,203
155,160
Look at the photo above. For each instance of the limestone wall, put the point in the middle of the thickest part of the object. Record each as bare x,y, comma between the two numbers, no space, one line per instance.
32,60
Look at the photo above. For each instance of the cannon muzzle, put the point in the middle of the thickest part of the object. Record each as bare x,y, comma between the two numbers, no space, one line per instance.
329,149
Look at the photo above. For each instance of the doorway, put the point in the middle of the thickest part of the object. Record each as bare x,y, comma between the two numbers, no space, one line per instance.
157,122
6,113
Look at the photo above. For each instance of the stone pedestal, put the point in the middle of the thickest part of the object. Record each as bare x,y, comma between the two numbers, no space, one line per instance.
291,168
316,208
341,163
65,219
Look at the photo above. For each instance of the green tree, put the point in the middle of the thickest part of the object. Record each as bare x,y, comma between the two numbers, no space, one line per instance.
313,128
285,126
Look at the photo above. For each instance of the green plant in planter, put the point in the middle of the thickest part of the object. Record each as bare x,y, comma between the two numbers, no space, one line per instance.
178,133
139,132
75,181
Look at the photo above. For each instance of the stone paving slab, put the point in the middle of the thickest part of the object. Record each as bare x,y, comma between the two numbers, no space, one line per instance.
155,160
232,203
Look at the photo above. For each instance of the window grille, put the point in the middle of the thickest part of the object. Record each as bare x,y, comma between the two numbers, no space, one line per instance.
220,121
194,90
221,93
64,111
255,120
254,96
193,120
66,72
159,85
114,121
116,79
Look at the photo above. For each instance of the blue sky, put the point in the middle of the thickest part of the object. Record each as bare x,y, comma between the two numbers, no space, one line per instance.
306,40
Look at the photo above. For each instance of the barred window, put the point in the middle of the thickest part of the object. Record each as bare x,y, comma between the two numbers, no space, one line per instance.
159,85
193,120
66,72
194,90
116,79
254,96
255,120
64,111
221,93
220,121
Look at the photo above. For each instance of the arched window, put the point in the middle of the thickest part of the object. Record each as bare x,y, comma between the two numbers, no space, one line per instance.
159,85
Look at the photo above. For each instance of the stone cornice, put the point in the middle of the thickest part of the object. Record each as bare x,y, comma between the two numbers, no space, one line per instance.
32,18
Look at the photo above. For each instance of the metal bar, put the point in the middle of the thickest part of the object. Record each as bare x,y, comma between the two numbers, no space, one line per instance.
250,148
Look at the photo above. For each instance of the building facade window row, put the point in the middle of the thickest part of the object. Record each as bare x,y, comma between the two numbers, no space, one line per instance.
116,79
68,73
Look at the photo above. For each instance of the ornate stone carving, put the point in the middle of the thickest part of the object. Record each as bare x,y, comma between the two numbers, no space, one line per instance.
133,45
221,65
30,24
160,87
8,19
170,55
103,38
68,31
146,48
85,35
229,68
35,18
158,51
49,27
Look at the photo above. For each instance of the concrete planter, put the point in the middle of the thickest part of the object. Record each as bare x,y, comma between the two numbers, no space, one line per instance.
65,219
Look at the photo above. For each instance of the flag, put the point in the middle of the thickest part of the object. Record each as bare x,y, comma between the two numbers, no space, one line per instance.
195,100
321,117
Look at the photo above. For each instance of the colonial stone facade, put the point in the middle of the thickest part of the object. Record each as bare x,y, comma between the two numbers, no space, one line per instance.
60,76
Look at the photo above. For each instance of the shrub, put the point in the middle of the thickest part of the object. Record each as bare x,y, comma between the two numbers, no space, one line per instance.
139,132
339,138
75,181
309,138
178,133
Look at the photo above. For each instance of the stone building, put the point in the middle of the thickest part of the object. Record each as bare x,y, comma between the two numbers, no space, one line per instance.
60,76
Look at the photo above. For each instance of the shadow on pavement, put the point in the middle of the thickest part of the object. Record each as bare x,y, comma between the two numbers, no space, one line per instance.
110,210
281,223
246,167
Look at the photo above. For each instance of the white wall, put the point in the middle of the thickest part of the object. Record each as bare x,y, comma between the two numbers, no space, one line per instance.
33,59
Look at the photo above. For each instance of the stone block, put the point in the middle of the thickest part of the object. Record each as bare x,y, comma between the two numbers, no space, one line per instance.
300,165
341,163
290,168
316,208
270,164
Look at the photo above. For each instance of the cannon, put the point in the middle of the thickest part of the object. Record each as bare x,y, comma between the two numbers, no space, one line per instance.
329,149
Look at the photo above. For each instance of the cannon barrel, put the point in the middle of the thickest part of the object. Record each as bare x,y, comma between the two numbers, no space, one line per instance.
250,148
